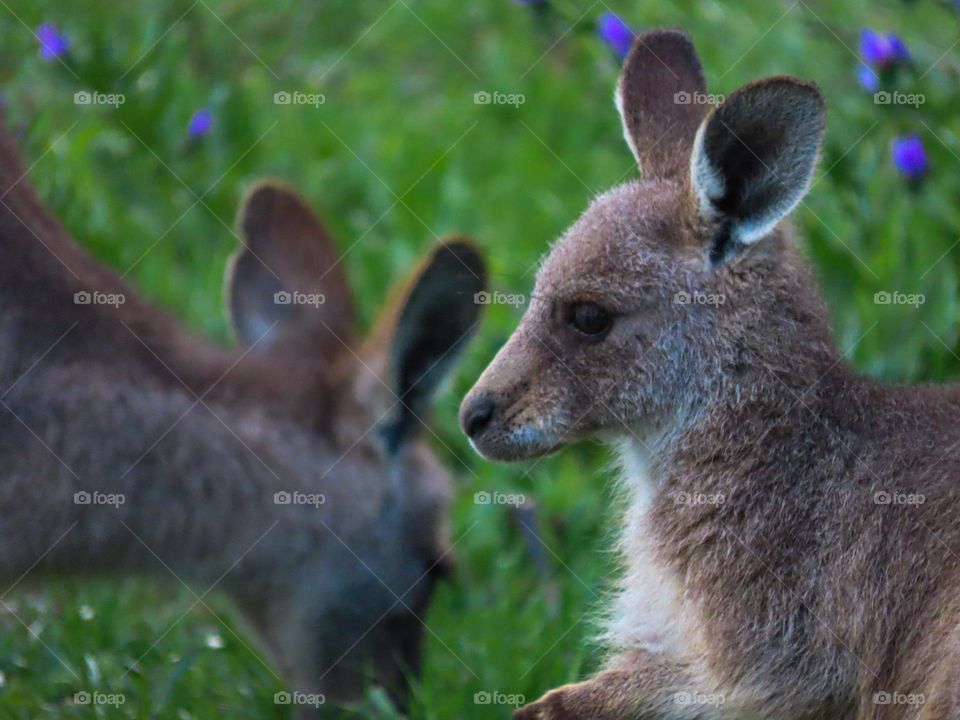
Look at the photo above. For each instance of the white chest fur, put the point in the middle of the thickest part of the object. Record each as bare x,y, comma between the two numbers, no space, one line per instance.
650,611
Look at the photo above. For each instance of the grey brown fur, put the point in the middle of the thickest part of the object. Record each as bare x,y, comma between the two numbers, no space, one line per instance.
198,439
773,567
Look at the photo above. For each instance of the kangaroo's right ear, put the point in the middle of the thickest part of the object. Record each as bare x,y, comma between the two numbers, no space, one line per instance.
662,98
754,158
438,311
286,282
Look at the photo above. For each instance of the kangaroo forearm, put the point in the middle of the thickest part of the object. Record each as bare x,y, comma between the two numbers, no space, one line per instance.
643,687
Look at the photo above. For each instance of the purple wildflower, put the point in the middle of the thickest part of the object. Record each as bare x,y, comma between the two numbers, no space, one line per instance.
874,47
867,78
53,43
899,48
882,50
615,33
200,123
910,157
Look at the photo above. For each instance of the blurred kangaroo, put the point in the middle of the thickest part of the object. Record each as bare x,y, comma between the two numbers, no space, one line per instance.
290,473
791,539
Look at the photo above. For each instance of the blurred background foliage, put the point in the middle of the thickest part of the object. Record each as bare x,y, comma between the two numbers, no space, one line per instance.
399,153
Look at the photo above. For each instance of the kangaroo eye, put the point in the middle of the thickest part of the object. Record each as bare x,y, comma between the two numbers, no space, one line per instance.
590,319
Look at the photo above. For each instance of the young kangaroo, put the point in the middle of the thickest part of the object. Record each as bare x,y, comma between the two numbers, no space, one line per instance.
771,570
291,473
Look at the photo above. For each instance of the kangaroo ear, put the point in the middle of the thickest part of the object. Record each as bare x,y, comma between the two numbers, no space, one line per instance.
437,313
754,157
286,281
662,98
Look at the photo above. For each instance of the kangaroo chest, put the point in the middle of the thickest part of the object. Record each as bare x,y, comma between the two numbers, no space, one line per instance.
651,611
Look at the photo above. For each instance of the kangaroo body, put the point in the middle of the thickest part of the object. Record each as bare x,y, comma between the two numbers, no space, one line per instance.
790,540
288,473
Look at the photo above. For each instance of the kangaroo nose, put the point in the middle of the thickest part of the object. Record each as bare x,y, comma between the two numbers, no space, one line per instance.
476,416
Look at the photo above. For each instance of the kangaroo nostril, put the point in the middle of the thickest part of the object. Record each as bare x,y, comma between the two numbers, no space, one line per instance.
478,416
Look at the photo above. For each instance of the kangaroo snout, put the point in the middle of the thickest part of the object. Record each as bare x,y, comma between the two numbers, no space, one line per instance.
476,413
510,414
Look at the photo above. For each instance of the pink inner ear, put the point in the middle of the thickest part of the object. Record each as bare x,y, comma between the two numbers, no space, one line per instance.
662,99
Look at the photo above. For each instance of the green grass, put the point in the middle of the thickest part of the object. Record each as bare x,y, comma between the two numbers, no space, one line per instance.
398,153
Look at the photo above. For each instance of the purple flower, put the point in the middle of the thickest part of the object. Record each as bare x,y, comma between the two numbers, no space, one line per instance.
615,33
867,78
200,123
899,47
909,156
53,43
882,50
874,47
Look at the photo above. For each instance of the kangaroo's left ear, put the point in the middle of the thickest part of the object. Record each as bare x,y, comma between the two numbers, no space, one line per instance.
754,157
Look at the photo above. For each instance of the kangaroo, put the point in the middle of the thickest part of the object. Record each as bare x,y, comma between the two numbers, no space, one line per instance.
774,565
291,473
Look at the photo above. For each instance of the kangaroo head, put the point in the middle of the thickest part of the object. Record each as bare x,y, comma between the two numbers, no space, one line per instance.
289,302
667,285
